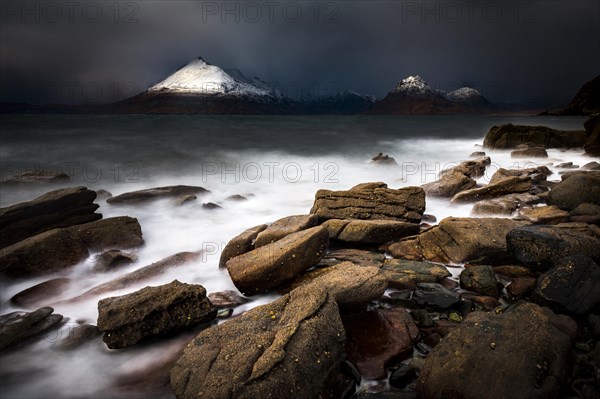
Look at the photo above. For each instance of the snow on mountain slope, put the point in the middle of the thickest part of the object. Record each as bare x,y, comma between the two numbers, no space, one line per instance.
463,94
414,86
200,77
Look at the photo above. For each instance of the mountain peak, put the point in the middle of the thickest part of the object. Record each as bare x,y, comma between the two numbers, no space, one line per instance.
414,86
201,78
464,93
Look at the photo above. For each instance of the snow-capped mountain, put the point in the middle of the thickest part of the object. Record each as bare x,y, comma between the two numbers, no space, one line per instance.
201,78
202,88
414,96
414,86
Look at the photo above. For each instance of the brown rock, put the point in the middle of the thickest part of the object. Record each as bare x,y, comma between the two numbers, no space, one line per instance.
449,184
504,205
537,174
59,208
575,190
528,338
521,286
529,153
226,299
401,272
113,259
121,232
370,201
357,256
41,293
509,136
515,271
480,279
153,312
544,215
19,327
507,186
459,240
264,268
44,253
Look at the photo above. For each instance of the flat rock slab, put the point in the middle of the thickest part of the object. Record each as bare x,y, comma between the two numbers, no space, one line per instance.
369,231
545,215
121,232
504,205
264,268
40,293
153,312
459,240
289,348
573,284
59,208
534,342
379,339
18,327
369,201
539,247
153,194
449,184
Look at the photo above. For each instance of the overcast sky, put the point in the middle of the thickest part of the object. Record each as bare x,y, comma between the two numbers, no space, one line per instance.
512,51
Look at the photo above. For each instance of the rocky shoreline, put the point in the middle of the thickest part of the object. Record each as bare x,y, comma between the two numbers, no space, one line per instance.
376,302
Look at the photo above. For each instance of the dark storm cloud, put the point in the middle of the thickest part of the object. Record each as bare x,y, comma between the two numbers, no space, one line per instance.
513,51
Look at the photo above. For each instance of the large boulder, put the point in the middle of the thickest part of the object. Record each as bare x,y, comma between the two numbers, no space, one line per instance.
574,190
458,240
292,347
18,327
573,284
240,244
538,174
44,253
284,227
379,339
153,312
59,208
369,231
266,267
592,126
532,341
371,201
510,185
153,194
509,136
539,247
121,232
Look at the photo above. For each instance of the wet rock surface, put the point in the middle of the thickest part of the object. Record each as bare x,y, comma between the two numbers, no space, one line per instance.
459,240
509,136
403,273
575,190
41,293
369,201
572,285
113,259
531,339
121,232
480,279
19,327
153,312
539,247
59,208
378,339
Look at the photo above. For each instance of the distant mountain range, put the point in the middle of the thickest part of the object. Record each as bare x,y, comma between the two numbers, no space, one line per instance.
202,88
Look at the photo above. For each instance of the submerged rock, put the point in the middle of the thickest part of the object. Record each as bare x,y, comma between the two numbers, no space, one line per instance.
38,177
40,293
153,194
529,153
264,268
113,259
381,159
59,208
533,341
370,201
153,312
458,240
78,336
435,296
